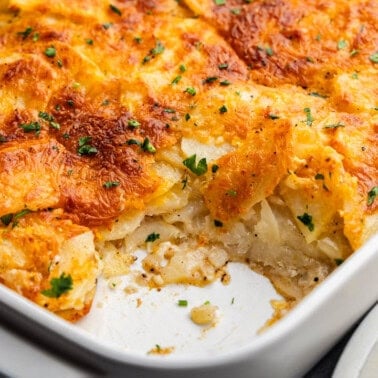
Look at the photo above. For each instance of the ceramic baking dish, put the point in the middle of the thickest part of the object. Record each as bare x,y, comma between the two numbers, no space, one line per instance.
121,329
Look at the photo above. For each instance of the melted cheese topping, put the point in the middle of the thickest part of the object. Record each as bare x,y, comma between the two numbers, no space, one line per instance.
101,104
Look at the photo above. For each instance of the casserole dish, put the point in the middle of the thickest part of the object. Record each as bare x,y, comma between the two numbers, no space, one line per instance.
287,349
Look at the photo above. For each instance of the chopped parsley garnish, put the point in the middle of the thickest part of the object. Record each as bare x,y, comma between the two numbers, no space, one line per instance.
309,59
235,11
232,193
306,219
89,41
152,237
374,57
187,117
8,218
338,262
319,176
148,146
218,223
85,148
355,75
198,169
182,67
50,52
341,44
334,125
50,119
133,123
214,168
30,127
210,79
316,94
223,66
110,184
35,37
106,102
59,286
354,52
107,25
220,2
372,194
269,51
70,103
225,83
138,40
273,116
157,50
309,117
192,91
176,79
223,109
130,142
182,303
25,34
114,9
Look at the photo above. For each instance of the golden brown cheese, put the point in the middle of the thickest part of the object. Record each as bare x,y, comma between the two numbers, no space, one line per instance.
101,102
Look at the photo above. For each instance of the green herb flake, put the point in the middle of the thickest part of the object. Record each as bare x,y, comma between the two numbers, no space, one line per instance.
334,125
114,9
223,66
157,50
190,90
182,68
152,237
59,286
220,2
374,57
84,148
89,41
338,262
269,51
35,37
223,109
341,44
25,34
130,142
214,168
138,40
107,25
106,102
6,219
182,303
273,116
235,11
306,219
198,169
319,176
187,117
31,127
218,223
184,183
176,80
309,117
224,83
354,52
316,94
210,79
110,184
372,194
232,193
133,123
355,75
148,146
50,52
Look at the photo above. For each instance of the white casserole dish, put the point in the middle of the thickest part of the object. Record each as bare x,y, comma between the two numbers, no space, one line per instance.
287,349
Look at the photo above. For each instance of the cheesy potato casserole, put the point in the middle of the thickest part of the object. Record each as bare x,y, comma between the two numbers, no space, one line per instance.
201,131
